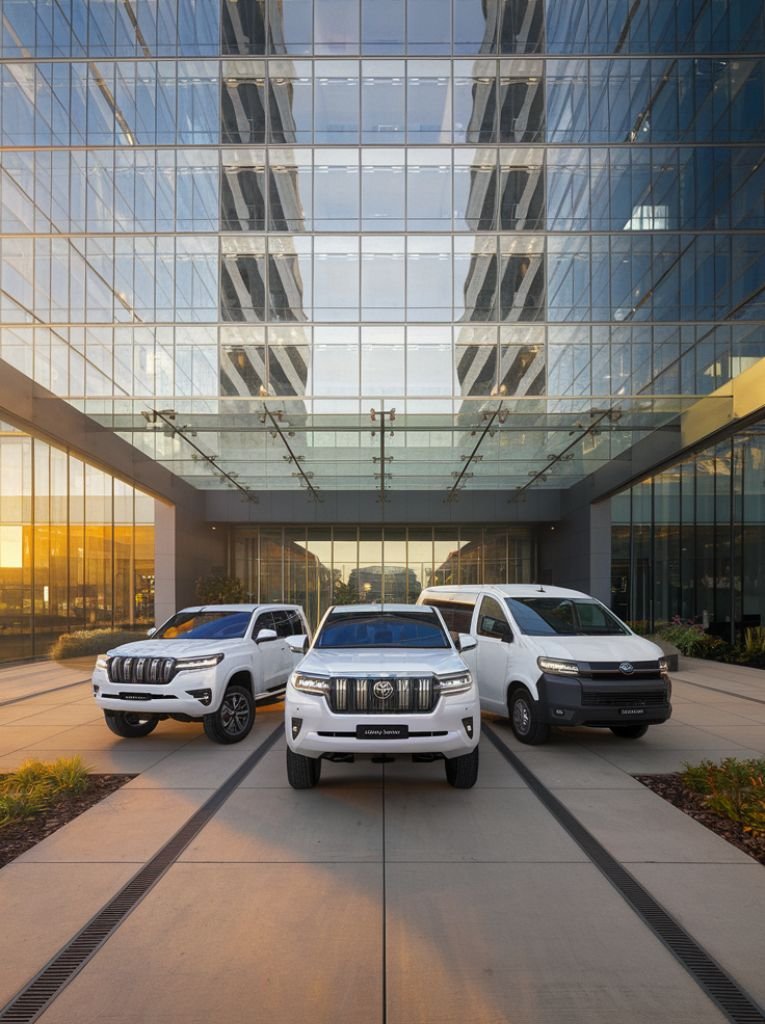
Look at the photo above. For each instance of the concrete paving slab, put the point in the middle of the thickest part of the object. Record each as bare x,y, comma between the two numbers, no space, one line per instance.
65,715
341,823
282,944
575,769
660,737
43,906
698,694
647,761
129,825
481,944
492,825
711,715
117,760
746,735
723,906
640,826
494,772
271,773
15,736
99,737
747,709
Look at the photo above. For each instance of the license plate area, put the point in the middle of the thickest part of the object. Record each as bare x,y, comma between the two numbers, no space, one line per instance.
382,732
632,712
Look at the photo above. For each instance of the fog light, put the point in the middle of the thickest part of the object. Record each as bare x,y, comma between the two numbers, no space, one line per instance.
559,712
468,723
203,696
296,726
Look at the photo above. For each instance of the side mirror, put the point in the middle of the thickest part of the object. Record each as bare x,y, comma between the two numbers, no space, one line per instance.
297,644
264,635
152,631
466,642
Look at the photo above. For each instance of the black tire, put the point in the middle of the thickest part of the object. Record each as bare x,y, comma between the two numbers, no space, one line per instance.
129,724
525,720
302,772
629,732
235,717
462,771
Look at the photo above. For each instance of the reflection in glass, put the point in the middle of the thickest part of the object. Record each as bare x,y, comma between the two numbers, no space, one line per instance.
336,189
243,26
521,101
428,184
243,102
475,101
522,279
243,279
290,101
429,103
289,278
336,113
382,101
243,190
475,189
383,188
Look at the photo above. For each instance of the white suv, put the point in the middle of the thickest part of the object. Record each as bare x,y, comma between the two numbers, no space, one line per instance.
207,664
382,680
548,656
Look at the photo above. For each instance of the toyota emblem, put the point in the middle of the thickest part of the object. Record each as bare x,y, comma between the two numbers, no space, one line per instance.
626,668
383,689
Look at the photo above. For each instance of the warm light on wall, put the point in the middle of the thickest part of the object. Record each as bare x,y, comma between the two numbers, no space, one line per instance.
11,549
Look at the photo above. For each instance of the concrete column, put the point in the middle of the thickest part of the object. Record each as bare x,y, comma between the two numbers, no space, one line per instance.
164,561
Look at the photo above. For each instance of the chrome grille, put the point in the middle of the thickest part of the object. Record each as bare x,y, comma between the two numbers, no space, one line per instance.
141,670
408,693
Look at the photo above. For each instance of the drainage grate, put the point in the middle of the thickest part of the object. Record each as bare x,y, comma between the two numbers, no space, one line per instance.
38,993
737,1006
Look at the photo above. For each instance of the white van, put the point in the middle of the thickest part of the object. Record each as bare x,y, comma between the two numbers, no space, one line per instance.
547,656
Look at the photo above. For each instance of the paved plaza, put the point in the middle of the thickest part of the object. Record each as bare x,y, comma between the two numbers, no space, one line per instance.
384,895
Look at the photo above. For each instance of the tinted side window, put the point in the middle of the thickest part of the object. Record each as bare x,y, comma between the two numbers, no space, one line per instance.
264,621
283,622
456,616
492,621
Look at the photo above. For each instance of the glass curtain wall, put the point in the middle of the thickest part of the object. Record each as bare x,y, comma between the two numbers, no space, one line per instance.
76,547
689,543
319,566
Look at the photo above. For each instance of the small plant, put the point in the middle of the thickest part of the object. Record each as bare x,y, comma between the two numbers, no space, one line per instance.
31,788
220,590
754,640
732,788
85,642
694,642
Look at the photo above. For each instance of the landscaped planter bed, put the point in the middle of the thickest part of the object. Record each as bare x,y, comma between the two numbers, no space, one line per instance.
19,836
673,789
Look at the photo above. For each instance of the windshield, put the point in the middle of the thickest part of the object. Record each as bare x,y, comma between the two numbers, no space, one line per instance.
563,616
205,626
382,629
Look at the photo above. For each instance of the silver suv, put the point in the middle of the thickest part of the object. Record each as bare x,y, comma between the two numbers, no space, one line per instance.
382,680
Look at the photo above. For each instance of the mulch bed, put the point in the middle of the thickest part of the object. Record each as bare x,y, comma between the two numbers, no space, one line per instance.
671,787
20,836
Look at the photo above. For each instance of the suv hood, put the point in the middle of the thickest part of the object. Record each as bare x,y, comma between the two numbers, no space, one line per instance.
596,648
174,648
339,661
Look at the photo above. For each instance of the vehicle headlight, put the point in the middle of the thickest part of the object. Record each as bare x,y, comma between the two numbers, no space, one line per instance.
192,664
308,683
458,683
558,668
102,661
664,667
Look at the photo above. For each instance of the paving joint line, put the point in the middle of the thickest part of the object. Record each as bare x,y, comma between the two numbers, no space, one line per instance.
41,693
43,988
717,689
717,984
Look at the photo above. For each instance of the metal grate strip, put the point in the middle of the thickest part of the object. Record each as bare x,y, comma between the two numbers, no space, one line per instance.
718,985
35,997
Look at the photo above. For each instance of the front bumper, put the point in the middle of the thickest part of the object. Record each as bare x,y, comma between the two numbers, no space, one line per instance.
563,701
441,731
151,698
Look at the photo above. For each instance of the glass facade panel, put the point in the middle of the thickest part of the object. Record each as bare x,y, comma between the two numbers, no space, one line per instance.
76,548
688,546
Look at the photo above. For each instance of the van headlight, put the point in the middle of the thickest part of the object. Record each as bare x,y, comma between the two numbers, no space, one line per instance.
193,664
308,683
460,682
664,668
102,662
558,668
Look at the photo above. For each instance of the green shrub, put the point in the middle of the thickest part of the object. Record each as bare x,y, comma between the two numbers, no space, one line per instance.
31,788
220,590
693,642
733,788
84,642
